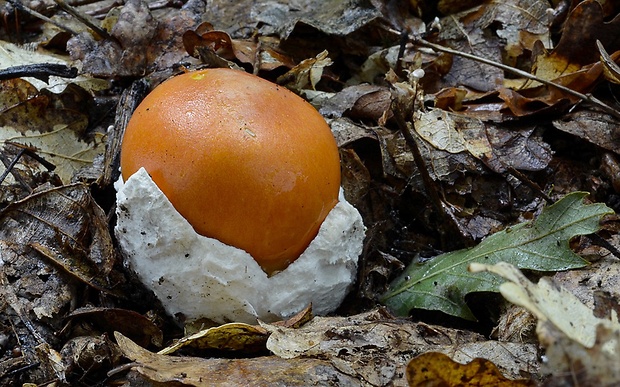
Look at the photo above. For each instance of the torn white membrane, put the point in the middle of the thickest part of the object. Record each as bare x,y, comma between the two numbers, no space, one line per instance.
199,277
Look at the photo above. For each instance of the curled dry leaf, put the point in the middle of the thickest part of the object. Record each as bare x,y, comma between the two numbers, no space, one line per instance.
359,102
307,73
550,303
610,67
227,337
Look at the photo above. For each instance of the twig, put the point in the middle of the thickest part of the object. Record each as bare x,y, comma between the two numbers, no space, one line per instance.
13,162
513,70
448,220
17,4
531,184
41,71
83,19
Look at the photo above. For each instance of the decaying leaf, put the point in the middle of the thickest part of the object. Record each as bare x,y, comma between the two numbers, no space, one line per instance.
31,295
239,337
610,68
573,63
581,348
577,47
13,55
359,102
333,17
65,226
90,354
143,42
571,363
437,369
442,283
595,127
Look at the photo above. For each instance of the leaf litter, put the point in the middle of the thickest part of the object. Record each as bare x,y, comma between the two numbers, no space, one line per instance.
494,145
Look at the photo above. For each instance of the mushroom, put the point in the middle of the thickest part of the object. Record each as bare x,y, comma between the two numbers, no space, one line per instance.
232,208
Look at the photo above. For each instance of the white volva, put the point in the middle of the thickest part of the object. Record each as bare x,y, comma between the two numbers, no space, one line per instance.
199,277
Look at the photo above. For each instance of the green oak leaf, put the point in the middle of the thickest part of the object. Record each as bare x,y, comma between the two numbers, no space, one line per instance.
542,244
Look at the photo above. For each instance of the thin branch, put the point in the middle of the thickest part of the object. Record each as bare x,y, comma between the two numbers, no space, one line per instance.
18,5
83,19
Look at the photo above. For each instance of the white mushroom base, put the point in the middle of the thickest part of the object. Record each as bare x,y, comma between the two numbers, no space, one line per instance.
197,277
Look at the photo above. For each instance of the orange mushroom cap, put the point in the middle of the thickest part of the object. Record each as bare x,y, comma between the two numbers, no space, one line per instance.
245,161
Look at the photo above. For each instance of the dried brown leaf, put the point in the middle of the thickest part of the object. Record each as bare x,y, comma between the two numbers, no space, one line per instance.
437,369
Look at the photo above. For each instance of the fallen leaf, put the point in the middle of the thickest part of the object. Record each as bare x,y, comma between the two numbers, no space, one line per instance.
307,73
577,47
262,54
595,127
610,68
14,55
128,322
571,363
333,17
359,102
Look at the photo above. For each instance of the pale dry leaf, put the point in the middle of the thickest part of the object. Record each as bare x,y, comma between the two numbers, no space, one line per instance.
438,129
570,363
548,302
453,133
